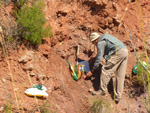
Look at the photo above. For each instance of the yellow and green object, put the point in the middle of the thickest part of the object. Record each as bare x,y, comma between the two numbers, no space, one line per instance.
77,70
134,70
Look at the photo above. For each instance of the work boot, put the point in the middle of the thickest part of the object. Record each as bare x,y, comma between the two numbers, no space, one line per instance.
99,92
117,100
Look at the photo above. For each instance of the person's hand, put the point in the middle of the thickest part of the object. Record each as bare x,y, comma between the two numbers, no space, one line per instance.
89,74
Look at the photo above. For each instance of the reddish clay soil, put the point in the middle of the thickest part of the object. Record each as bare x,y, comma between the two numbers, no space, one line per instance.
72,22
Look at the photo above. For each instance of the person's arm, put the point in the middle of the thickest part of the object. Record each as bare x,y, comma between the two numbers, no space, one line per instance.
100,52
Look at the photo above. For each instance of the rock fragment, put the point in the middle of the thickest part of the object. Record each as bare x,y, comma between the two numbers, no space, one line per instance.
28,67
27,57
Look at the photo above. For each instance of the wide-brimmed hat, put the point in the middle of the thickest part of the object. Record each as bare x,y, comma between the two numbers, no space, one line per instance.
94,36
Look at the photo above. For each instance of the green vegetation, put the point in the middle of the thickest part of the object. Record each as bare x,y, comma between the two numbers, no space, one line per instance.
44,108
147,104
147,74
10,39
143,80
19,3
30,26
31,21
8,107
5,2
101,106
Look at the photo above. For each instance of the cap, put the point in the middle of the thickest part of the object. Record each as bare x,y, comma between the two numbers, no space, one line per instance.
94,36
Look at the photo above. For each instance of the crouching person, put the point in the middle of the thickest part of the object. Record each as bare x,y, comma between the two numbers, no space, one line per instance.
116,54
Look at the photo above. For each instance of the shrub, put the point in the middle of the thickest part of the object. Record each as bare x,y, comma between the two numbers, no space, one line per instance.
19,3
31,21
144,80
101,106
44,108
9,29
5,2
141,74
147,104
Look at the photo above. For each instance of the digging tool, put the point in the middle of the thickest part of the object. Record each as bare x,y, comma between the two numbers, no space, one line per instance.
84,76
77,54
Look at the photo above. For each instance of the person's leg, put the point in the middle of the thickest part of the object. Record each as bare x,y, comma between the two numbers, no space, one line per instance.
120,73
117,63
107,72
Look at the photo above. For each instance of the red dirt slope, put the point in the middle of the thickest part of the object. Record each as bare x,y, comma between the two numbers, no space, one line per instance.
75,19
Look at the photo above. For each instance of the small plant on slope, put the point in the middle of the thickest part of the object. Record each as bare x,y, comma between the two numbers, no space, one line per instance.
8,107
143,79
31,21
101,106
19,3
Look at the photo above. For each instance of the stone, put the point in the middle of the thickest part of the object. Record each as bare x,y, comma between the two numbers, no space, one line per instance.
116,6
117,18
1,109
27,57
3,80
101,2
44,49
28,67
41,76
37,112
110,20
32,74
104,2
1,29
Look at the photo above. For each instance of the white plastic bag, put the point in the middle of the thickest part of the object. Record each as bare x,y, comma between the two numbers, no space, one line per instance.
36,92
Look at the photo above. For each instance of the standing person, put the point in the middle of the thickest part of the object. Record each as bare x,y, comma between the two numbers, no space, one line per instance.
116,54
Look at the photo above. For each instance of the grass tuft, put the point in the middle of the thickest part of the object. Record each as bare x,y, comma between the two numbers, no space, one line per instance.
101,106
